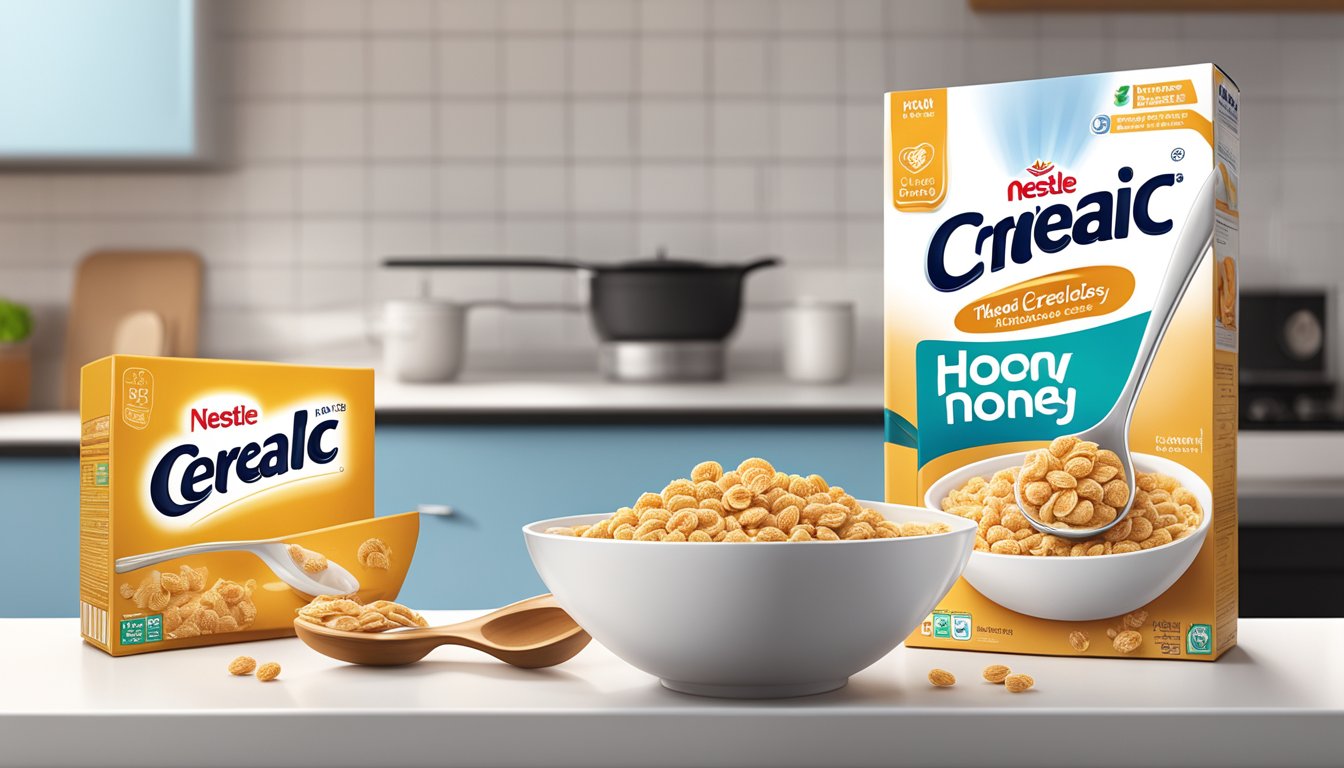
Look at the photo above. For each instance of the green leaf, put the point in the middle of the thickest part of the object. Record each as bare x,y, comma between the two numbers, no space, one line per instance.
16,322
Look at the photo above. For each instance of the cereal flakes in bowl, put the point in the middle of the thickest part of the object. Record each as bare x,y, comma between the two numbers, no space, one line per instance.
1108,575
762,618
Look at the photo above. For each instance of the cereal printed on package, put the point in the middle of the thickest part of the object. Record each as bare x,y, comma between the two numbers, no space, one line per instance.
374,553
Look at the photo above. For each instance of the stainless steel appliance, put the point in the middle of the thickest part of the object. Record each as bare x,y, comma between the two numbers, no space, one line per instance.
659,319
1286,377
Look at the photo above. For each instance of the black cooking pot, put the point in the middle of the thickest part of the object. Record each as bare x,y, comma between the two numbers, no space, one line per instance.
659,299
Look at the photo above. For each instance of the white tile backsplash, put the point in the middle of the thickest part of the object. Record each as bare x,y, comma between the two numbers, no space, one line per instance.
602,66
807,66
468,66
467,15
605,129
673,129
739,66
391,16
534,129
401,130
672,65
336,189
602,15
535,65
603,189
332,130
331,66
601,129
402,189
470,188
401,66
468,129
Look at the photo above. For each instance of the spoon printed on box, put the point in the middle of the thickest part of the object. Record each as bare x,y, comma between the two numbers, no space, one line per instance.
1112,431
275,553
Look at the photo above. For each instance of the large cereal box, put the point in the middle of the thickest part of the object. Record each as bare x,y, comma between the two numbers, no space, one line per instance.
216,498
1061,356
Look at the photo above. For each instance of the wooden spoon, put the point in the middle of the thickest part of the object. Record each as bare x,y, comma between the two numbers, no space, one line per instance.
531,633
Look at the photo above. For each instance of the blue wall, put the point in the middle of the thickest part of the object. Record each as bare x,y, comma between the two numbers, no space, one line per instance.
497,477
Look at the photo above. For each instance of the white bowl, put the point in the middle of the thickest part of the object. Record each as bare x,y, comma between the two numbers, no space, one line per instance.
1079,588
752,620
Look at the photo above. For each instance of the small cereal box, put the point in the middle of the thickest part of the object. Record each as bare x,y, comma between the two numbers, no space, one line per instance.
1061,355
217,497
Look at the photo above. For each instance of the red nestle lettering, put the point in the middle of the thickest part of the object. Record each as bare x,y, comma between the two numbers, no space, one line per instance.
237,416
1055,184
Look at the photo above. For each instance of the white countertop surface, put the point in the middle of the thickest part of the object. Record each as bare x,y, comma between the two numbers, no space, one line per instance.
1277,699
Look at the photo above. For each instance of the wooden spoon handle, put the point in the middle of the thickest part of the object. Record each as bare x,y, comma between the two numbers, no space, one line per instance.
530,658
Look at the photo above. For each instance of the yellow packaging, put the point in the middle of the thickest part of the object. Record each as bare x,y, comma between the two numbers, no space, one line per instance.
1034,233
265,471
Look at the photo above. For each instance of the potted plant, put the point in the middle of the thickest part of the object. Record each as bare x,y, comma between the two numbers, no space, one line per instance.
16,325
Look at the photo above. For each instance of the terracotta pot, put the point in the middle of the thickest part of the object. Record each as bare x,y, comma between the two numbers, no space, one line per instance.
16,374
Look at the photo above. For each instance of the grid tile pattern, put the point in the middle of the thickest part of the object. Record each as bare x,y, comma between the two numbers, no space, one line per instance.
606,129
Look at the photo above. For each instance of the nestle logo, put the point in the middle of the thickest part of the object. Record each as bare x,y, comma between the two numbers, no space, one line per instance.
1048,181
239,415
1040,168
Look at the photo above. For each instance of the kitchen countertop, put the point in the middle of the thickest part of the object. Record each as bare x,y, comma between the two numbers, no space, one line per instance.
1277,699
560,397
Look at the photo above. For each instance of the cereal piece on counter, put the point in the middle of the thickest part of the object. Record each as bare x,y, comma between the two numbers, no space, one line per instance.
243,665
268,671
995,673
941,678
1018,683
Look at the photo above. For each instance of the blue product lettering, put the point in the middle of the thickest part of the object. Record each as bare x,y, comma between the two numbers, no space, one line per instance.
1099,216
203,475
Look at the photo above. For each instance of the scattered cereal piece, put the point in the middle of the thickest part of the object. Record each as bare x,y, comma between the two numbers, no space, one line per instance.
1127,641
243,665
995,673
1078,641
942,678
1018,683
268,671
